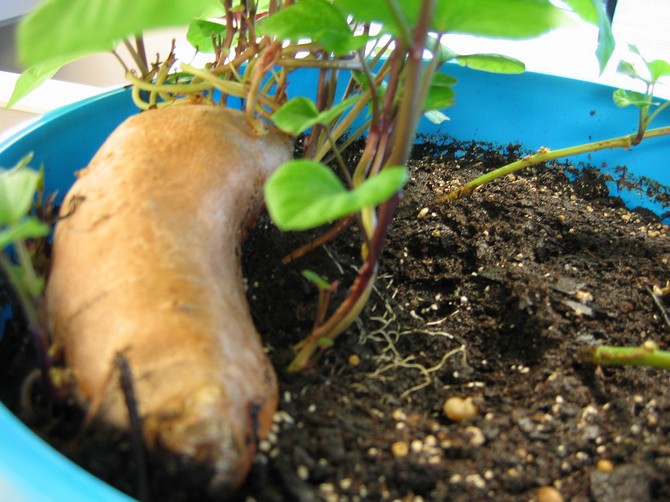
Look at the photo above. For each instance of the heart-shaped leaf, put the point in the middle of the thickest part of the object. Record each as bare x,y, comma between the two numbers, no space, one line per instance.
17,191
493,63
36,75
628,69
593,11
58,29
299,114
512,19
623,98
304,194
26,229
315,20
658,68
201,33
440,93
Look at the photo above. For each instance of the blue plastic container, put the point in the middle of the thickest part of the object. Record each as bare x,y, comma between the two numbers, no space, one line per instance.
530,109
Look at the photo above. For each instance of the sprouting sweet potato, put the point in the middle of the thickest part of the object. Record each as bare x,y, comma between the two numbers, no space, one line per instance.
146,263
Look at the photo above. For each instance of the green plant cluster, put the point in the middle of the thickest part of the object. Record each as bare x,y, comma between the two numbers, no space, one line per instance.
379,64
22,229
18,187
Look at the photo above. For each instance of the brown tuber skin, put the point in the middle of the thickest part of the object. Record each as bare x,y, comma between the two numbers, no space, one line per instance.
146,263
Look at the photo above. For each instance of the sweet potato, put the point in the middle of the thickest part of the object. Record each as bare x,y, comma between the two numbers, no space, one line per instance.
146,264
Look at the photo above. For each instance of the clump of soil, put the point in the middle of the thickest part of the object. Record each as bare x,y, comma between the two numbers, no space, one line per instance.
492,298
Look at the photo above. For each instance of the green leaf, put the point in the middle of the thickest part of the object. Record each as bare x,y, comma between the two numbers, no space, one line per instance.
593,11
606,44
316,20
36,75
325,343
658,68
316,279
216,9
377,11
493,63
296,115
28,228
262,6
626,68
436,116
443,53
362,80
623,98
299,114
201,32
513,19
586,9
17,191
328,116
304,194
59,29
441,93
30,80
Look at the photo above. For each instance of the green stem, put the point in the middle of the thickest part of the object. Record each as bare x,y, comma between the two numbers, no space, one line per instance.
121,62
651,117
353,304
32,283
642,120
182,88
27,303
325,97
22,291
645,355
351,138
545,155
369,77
236,89
343,317
403,132
338,64
142,52
401,21
254,94
144,70
411,104
340,160
344,124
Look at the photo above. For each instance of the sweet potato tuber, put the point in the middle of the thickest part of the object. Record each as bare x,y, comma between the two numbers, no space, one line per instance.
146,263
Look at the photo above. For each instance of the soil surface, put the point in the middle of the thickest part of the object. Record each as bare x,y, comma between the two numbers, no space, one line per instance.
493,298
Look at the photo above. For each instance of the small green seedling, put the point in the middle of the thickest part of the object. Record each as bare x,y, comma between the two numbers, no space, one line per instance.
649,72
17,193
18,227
326,290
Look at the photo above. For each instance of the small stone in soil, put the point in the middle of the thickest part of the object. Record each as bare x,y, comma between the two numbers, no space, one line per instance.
458,409
400,449
548,494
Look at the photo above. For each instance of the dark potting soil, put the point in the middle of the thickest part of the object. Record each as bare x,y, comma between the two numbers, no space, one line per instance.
494,298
